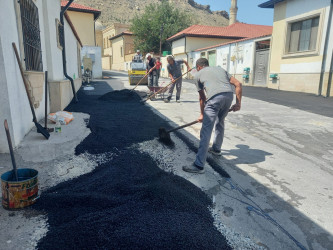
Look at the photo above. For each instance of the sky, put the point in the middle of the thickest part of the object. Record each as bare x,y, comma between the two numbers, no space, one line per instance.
248,10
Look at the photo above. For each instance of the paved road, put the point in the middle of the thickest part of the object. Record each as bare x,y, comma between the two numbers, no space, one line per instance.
302,101
278,152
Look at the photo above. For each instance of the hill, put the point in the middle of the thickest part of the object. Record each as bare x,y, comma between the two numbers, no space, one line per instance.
122,11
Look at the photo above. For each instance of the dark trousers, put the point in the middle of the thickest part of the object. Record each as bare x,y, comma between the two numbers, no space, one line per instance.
178,85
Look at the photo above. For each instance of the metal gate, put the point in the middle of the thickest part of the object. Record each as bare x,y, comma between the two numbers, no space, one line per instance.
260,71
31,36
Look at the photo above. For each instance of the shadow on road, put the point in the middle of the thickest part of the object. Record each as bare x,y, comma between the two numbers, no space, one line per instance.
297,227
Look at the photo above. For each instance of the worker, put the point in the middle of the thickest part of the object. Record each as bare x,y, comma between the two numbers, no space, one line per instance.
175,72
215,94
137,57
151,69
158,67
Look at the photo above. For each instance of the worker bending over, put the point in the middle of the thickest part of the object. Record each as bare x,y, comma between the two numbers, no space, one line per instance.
175,72
215,90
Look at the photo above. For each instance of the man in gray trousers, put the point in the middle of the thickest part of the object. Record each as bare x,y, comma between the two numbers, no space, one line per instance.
175,72
215,90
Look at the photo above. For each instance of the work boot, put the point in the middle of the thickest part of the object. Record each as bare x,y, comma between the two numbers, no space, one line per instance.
194,169
214,152
166,100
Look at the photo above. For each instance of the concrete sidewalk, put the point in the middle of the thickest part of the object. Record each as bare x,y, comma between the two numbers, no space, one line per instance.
280,160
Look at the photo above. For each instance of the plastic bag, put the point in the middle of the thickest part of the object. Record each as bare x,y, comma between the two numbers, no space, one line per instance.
63,117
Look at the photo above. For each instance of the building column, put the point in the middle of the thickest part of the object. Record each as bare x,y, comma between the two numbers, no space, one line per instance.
233,12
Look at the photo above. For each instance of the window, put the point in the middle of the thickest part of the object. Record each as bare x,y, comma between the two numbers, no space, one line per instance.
303,35
121,51
31,36
60,34
203,54
212,58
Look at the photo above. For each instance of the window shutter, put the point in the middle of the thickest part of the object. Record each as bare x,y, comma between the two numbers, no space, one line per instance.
294,36
314,33
304,43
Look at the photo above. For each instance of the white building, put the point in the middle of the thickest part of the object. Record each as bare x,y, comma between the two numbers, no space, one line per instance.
42,34
246,59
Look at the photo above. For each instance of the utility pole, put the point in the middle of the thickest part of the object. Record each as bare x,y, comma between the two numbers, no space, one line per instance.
161,33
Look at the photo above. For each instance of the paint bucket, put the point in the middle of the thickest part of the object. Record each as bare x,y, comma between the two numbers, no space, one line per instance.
21,193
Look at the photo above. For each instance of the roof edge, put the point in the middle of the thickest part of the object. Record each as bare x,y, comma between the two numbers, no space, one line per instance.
269,4
121,34
96,13
198,35
231,42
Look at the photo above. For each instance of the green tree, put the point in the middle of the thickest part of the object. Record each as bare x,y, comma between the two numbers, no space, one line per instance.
156,18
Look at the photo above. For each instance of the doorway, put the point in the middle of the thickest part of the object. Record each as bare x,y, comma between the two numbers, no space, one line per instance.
212,58
261,63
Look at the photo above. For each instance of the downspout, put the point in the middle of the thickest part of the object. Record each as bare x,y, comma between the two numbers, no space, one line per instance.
323,64
331,68
95,32
186,56
64,62
330,79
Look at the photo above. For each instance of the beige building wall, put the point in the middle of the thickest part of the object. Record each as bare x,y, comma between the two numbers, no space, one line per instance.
295,72
99,39
122,51
106,62
117,54
109,32
193,43
84,24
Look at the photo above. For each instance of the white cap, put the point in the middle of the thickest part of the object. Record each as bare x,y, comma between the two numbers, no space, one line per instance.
138,50
148,55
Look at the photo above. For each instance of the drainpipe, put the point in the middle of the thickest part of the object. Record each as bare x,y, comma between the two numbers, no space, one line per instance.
331,68
186,55
62,13
323,64
330,79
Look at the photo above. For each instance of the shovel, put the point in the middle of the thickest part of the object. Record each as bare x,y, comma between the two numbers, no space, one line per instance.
10,145
46,94
40,128
140,81
165,135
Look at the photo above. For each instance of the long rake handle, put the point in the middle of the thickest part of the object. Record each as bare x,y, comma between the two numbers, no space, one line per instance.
25,82
167,86
183,126
140,81
186,125
10,145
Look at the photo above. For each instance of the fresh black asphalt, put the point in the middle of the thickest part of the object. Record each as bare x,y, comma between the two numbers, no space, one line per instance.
303,101
127,202
307,102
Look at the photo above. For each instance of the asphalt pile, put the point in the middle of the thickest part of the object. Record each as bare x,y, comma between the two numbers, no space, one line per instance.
125,95
127,202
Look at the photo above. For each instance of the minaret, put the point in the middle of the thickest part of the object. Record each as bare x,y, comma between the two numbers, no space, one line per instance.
233,12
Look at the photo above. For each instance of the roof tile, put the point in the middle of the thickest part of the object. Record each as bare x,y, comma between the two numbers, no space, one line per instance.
78,6
239,30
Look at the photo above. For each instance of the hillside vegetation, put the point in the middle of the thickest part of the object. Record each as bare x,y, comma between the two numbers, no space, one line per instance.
122,11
